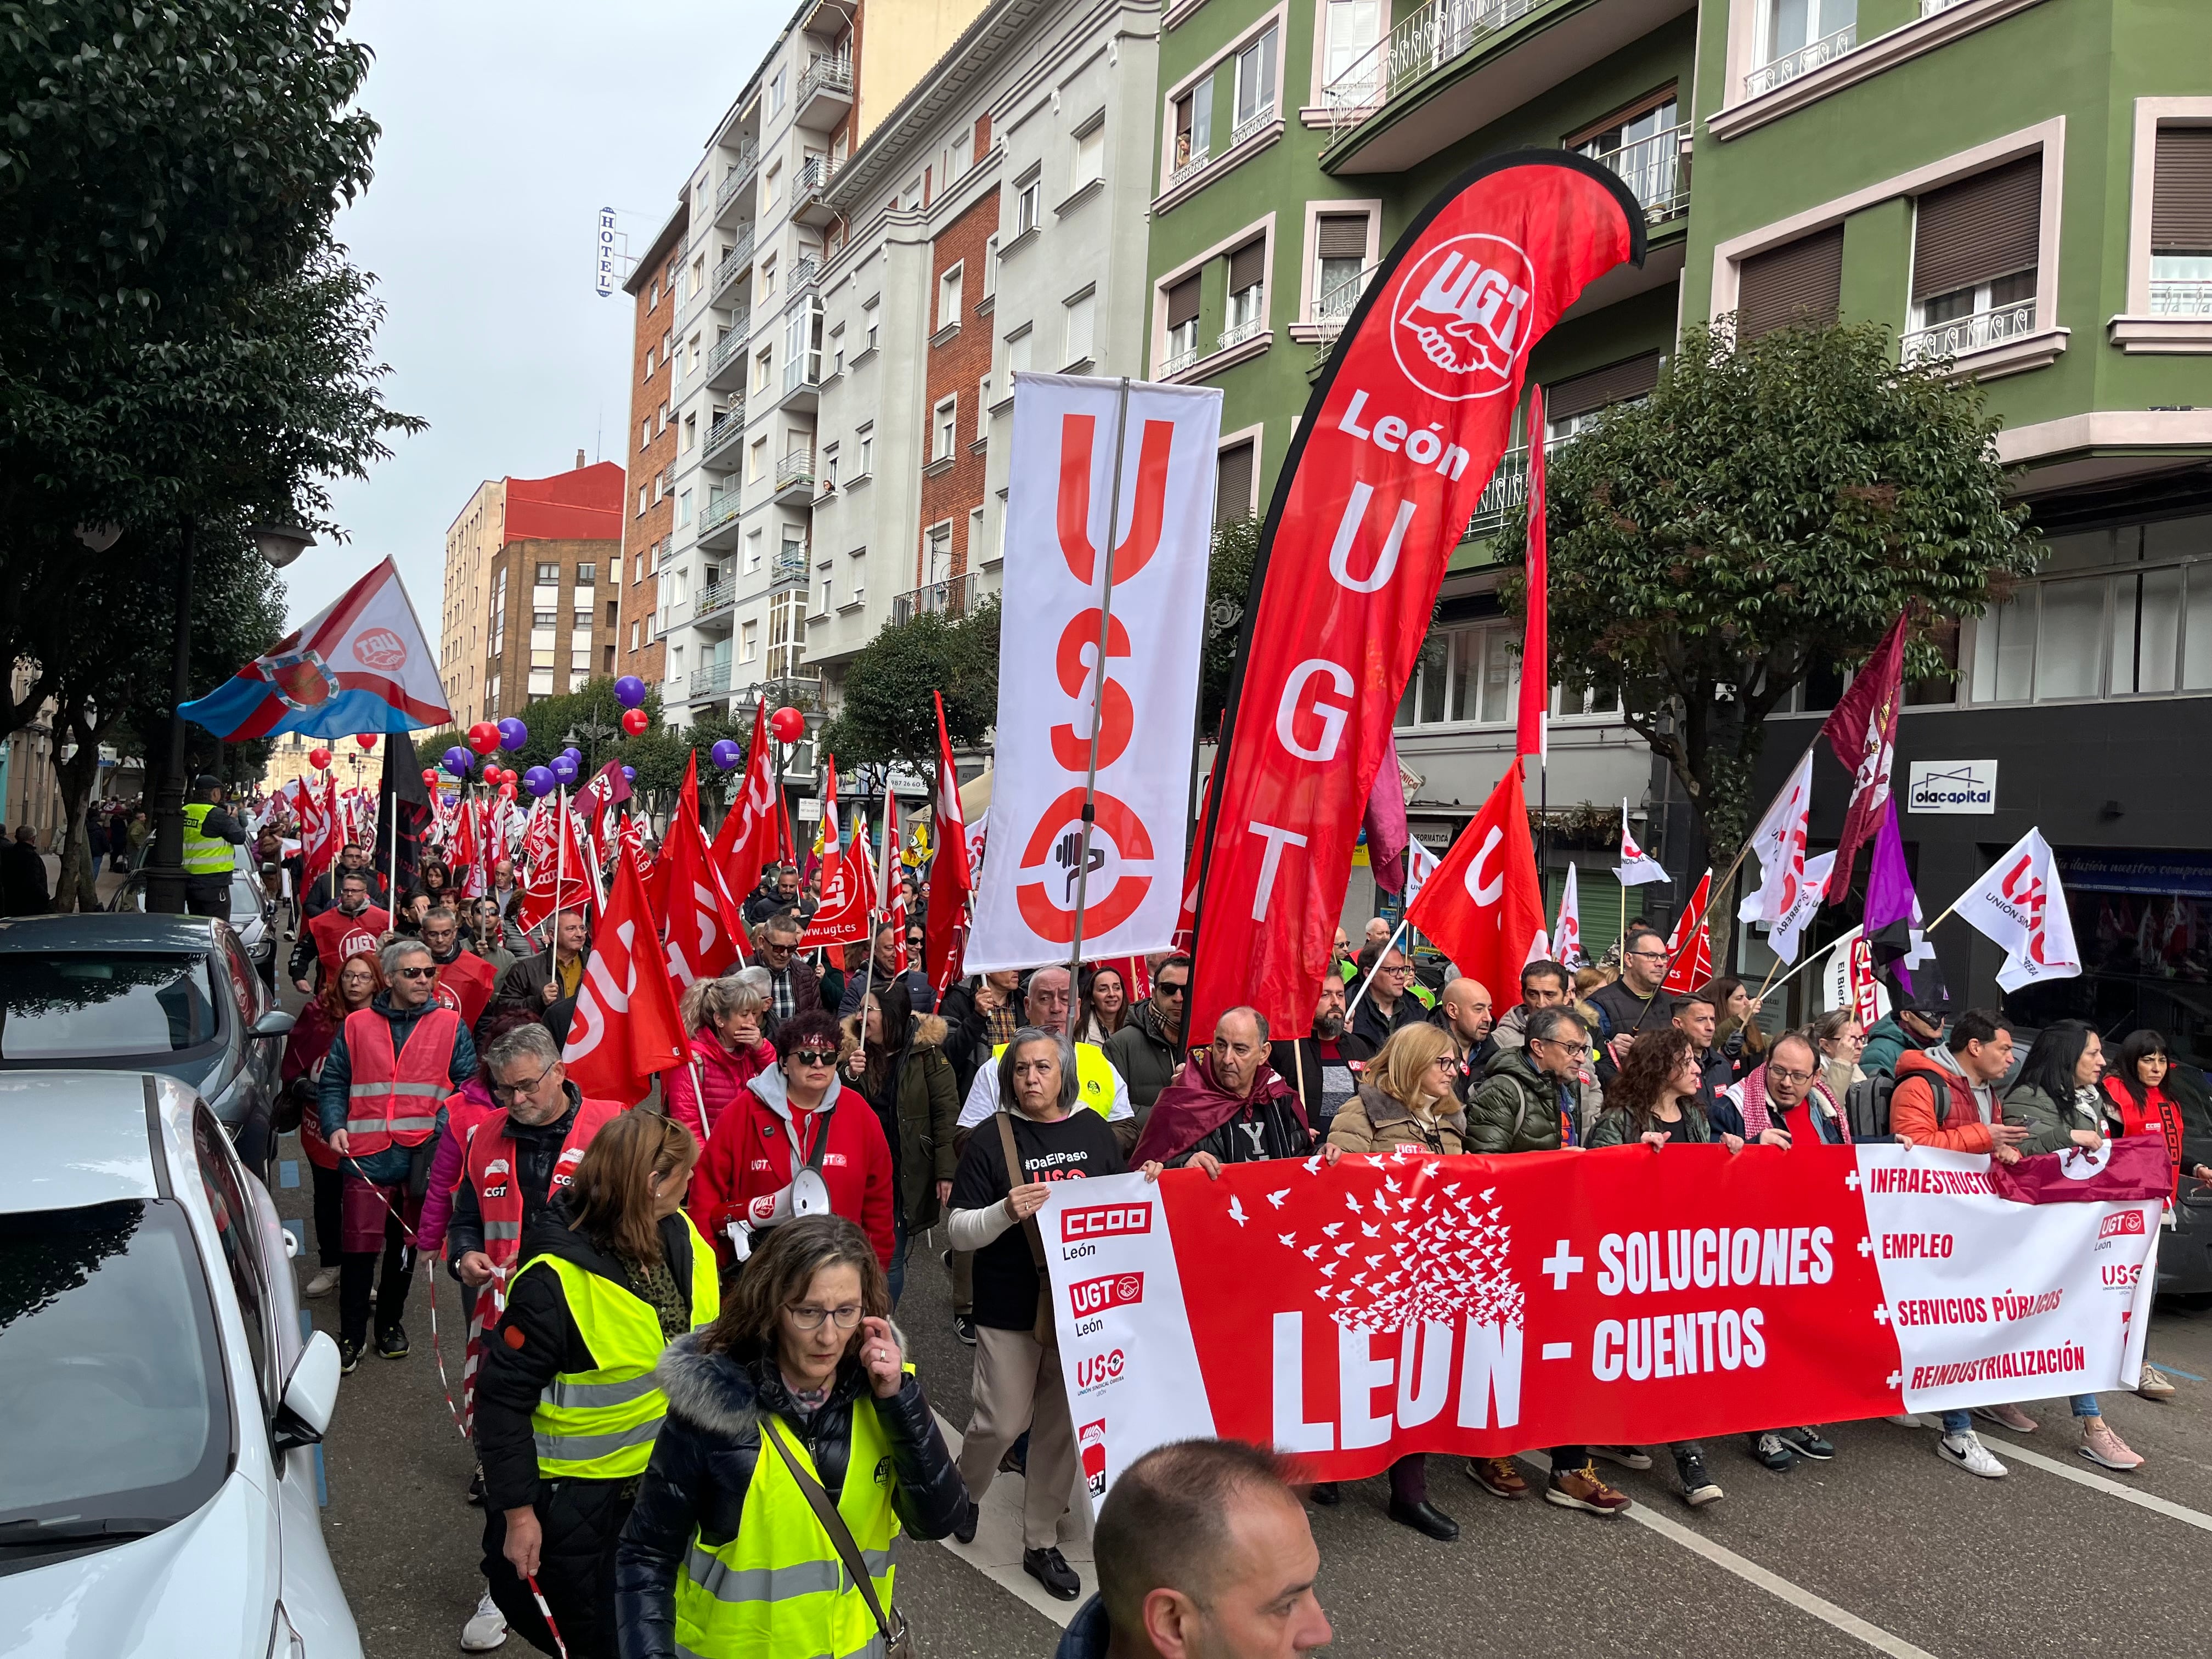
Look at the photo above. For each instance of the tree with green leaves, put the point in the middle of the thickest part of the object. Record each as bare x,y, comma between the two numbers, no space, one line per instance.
887,715
1228,584
1766,514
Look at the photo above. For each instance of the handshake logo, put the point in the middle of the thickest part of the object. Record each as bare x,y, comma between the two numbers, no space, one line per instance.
1463,310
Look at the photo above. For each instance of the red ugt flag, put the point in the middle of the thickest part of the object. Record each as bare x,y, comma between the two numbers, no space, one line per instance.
1862,733
1692,955
949,883
1482,904
626,1027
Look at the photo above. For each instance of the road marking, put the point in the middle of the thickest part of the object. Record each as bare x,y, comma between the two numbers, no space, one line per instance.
2177,1371
997,1552
2126,1494
1773,1583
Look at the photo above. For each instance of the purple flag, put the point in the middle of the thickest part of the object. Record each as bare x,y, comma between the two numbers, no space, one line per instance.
1890,898
1385,823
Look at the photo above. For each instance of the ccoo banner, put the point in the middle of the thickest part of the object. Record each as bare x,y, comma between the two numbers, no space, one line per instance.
1354,1314
1398,441
1048,633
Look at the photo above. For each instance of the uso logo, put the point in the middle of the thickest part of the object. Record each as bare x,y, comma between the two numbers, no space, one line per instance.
1095,1371
1104,1221
2126,1222
1096,1295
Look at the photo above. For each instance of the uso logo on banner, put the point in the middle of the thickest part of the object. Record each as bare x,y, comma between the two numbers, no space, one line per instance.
1104,604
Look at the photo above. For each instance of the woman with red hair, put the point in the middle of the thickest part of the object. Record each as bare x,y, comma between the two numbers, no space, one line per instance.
356,983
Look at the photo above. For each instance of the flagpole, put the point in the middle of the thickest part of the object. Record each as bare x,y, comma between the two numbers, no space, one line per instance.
1353,1007
1820,955
559,874
1075,1008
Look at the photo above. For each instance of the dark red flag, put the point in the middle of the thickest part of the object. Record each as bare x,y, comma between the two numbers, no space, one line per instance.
1862,731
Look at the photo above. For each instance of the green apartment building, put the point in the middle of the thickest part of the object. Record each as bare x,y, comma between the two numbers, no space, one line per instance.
2021,187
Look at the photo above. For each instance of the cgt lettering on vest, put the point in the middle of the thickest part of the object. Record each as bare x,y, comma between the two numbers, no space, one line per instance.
1387,1380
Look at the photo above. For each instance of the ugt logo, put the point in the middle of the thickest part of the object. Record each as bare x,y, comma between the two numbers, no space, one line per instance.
381,649
2024,889
1463,309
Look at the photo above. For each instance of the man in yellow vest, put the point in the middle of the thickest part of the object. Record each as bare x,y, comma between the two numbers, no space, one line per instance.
209,835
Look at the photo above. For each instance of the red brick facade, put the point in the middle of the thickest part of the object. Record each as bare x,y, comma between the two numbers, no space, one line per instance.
952,484
655,459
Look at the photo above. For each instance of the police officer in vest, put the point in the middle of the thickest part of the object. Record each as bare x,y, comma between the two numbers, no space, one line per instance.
568,1404
210,833
389,1067
799,1394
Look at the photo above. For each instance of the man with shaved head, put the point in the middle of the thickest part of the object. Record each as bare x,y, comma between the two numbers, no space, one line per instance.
1464,1010
1227,1107
1203,1553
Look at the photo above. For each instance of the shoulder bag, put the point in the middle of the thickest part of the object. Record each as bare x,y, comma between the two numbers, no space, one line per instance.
1046,1332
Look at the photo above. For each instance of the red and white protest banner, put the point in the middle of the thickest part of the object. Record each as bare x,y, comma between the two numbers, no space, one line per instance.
1484,1305
1690,946
847,896
626,1028
1060,512
1397,443
2020,905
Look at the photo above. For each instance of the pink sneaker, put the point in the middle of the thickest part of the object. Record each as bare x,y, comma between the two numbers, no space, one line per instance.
2101,1445
2010,1417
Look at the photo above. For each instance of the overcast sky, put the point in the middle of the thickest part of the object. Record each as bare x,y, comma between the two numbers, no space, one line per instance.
506,126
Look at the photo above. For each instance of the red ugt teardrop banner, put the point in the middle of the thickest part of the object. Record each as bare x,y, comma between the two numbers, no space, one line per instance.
1397,443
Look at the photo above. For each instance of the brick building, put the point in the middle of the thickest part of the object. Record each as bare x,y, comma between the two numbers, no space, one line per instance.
649,506
957,389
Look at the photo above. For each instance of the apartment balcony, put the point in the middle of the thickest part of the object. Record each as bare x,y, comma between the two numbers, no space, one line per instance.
1657,171
825,93
725,359
717,524
1781,71
1237,333
794,479
953,597
712,681
1963,335
1502,499
732,265
1333,308
1177,360
736,181
805,277
802,383
788,569
712,600
1453,67
809,189
723,445
1188,158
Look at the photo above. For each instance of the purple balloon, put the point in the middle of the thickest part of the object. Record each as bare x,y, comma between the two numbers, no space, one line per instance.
513,734
540,781
629,691
564,768
458,760
630,774
726,754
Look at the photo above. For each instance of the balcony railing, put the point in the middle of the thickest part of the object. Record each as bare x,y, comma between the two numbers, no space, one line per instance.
2182,297
1803,61
952,597
1929,8
1250,125
796,468
708,681
720,352
831,74
721,510
1964,334
715,596
1188,158
805,274
1424,43
1176,362
739,175
788,567
726,271
1333,308
1653,170
1505,494
1237,333
724,435
814,174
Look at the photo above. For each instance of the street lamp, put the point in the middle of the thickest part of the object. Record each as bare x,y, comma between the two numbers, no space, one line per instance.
593,733
278,544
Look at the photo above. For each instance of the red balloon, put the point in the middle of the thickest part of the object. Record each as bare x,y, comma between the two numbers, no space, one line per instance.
484,737
430,777
788,725
634,722
365,740
506,791
320,759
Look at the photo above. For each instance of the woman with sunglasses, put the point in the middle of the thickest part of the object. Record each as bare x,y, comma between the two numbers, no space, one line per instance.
795,1115
801,1376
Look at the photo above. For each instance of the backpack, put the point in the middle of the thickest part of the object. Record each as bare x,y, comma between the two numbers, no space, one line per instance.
1866,1106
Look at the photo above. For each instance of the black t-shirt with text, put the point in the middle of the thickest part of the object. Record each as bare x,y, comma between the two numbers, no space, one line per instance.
1078,1145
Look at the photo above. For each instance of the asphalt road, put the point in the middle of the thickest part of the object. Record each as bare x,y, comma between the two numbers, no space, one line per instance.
1883,1550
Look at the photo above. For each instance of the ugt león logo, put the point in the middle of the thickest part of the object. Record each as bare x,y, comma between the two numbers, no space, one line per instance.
1460,320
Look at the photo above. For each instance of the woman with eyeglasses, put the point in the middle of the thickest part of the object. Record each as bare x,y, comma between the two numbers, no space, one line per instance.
1840,1040
488,936
567,1400
800,1381
795,1115
1035,1136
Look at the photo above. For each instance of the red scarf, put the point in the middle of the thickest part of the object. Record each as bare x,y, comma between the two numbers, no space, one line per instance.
2157,1115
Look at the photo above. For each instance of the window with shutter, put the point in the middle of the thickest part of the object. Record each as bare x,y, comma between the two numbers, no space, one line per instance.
1246,266
1182,325
1182,301
1247,293
1340,255
2181,224
1800,282
1232,486
1979,229
1341,235
1586,394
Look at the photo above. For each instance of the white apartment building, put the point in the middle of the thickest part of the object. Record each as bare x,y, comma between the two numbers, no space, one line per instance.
993,222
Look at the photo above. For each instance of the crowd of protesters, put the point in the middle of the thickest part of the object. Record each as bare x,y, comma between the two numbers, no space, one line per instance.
680,1338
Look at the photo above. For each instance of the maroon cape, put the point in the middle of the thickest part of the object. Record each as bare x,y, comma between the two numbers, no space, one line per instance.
1195,1104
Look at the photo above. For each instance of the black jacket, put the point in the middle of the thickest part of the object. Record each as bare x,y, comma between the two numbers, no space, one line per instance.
1298,1063
967,1034
536,1151
1370,1027
703,1467
1276,1124
538,1340
23,879
323,892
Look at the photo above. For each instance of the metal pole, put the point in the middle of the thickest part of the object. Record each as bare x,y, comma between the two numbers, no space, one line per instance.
1075,1010
1353,1007
165,869
560,875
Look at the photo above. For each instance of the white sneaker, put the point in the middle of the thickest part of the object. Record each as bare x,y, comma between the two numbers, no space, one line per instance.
486,1630
1966,1451
324,1282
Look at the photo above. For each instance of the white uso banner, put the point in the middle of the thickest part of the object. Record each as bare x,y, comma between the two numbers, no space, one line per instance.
1058,515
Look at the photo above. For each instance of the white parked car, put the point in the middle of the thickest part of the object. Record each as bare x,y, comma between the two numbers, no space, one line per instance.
159,1408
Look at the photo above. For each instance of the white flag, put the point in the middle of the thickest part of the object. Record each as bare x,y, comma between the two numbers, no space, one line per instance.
1636,868
1778,844
1419,863
1789,926
1836,974
2018,904
1567,936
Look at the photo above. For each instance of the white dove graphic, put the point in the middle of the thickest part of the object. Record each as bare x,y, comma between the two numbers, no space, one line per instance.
1333,1228
1311,1252
1276,1198
1286,1238
1237,1210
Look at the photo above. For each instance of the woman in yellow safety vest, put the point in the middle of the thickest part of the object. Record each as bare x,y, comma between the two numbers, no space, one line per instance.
801,1383
566,1400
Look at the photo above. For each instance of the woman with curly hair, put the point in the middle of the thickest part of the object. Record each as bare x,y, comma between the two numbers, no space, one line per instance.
728,1051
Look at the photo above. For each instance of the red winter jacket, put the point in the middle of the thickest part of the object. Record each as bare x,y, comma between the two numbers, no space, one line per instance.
749,1156
723,1074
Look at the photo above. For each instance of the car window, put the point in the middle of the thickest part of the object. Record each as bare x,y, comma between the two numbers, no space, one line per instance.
63,1005
238,1230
